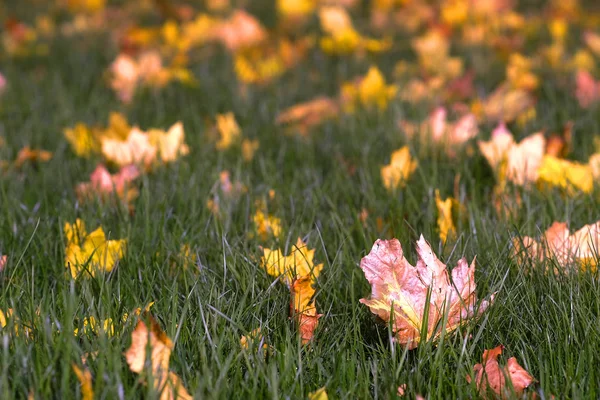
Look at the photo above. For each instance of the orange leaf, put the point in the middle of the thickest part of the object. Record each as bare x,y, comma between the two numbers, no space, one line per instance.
85,378
399,291
503,381
307,115
167,383
579,247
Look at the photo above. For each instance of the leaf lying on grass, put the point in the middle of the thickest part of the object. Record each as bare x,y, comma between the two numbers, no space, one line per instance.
506,381
581,247
92,249
407,294
165,382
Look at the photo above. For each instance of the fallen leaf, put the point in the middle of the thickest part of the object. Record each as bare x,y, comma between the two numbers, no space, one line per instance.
26,154
167,383
92,326
299,263
241,30
305,116
302,306
91,249
102,183
3,262
368,91
506,104
254,339
565,174
398,171
319,394
445,221
506,382
249,148
512,162
579,248
266,225
85,379
587,89
399,291
228,129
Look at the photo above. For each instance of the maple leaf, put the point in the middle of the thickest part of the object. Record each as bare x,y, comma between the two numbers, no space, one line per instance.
580,247
400,168
228,129
257,340
512,162
102,184
3,262
399,291
167,383
171,144
92,249
82,140
445,221
92,325
506,104
506,381
440,131
587,89
249,148
241,30
298,264
302,307
304,116
266,225
135,149
85,379
565,174
27,154
319,394
368,91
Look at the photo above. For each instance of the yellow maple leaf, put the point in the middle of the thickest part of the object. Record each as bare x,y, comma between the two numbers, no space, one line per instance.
228,129
299,263
91,325
368,91
445,221
92,249
399,170
85,379
82,140
565,174
165,382
266,225
319,394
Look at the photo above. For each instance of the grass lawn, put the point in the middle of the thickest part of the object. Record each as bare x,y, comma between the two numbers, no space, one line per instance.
317,184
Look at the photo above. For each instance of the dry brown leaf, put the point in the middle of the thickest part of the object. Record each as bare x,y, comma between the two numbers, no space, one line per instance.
399,291
167,383
506,381
581,247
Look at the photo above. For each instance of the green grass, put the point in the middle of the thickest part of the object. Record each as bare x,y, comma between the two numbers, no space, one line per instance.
550,323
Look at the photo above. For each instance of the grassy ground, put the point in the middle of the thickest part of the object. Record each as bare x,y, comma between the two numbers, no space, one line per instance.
549,323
